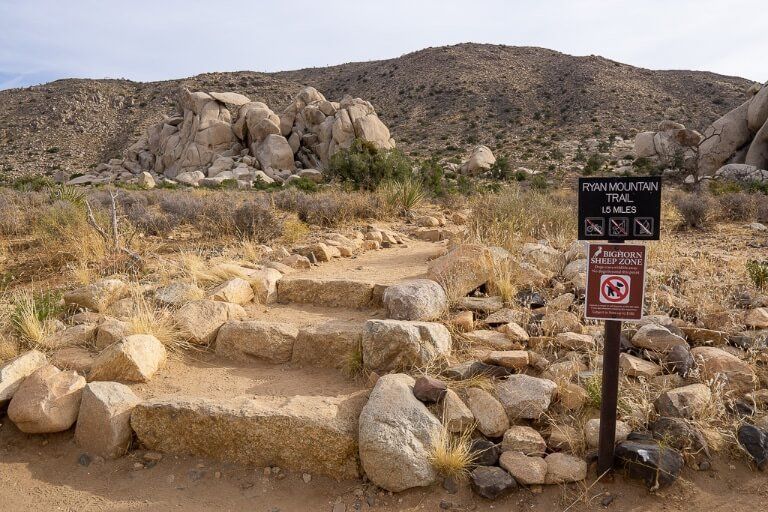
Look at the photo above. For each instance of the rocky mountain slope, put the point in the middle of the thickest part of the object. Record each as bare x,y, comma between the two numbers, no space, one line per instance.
435,101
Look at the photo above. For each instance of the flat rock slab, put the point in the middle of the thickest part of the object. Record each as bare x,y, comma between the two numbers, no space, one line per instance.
330,345
335,293
317,435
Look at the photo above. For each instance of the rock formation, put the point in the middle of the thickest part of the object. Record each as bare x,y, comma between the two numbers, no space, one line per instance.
734,146
225,136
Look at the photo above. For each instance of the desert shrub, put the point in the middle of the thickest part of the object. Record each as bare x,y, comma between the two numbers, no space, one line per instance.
696,210
330,208
304,184
761,208
152,222
64,233
32,183
502,219
183,205
255,221
12,217
366,166
539,182
758,273
737,206
501,168
594,163
433,175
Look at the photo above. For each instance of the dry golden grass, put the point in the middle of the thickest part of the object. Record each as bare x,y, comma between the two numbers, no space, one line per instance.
8,348
65,235
158,322
27,323
294,230
451,455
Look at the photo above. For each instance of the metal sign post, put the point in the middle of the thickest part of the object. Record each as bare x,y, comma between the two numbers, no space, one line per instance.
616,209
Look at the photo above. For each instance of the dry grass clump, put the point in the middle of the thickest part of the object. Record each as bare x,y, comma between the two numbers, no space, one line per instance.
505,218
332,207
32,317
158,322
451,455
8,348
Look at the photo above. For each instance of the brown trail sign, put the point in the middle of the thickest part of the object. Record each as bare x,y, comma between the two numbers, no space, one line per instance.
615,282
615,209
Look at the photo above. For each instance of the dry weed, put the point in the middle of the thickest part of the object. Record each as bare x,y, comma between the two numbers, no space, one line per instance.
148,319
451,455
8,348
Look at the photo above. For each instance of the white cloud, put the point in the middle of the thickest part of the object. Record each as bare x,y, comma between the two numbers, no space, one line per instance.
161,39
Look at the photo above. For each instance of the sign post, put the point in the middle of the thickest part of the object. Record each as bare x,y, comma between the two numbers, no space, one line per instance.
615,209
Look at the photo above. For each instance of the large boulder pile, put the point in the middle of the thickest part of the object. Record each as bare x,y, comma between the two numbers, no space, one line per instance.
734,146
216,136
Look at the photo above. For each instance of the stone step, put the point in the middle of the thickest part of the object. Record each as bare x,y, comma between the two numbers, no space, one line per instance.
328,292
314,434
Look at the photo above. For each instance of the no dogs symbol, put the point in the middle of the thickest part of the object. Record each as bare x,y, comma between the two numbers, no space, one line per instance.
614,289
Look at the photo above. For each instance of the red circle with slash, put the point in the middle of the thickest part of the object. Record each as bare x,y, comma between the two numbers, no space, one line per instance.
610,290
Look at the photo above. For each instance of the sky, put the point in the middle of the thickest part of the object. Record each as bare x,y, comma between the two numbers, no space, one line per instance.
43,40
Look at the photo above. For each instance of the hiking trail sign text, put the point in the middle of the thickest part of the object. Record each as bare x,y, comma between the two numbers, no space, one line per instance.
619,208
615,281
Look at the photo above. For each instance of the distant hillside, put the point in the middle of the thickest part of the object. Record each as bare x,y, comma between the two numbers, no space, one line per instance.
435,101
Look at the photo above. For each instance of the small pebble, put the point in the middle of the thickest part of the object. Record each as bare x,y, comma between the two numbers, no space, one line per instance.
84,459
306,477
152,456
267,471
607,500
339,507
217,474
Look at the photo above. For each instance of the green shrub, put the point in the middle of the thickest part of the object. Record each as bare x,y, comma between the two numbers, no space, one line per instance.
432,176
758,273
594,164
539,182
403,195
32,183
304,184
501,168
366,166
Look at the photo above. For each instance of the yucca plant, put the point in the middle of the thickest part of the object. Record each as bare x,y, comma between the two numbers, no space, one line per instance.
403,195
68,193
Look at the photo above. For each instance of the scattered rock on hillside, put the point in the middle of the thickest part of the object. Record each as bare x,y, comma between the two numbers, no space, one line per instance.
635,367
592,432
14,371
524,469
466,268
235,290
525,397
658,466
484,452
97,296
177,293
491,482
521,438
103,424
396,432
491,418
479,161
657,338
684,402
514,359
418,299
681,435
396,344
457,417
47,401
111,331
558,322
135,358
429,389
714,362
564,468
755,442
